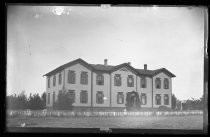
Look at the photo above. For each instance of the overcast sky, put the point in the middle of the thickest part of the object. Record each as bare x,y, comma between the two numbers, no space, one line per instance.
41,38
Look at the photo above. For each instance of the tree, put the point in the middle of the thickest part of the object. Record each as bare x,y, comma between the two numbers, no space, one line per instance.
194,104
64,102
43,99
35,102
12,102
174,101
17,102
22,102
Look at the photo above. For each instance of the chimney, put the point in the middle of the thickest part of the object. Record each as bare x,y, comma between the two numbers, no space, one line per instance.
145,66
129,63
105,62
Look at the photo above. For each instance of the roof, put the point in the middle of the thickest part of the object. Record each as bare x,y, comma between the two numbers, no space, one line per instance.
111,68
145,72
101,67
155,72
60,68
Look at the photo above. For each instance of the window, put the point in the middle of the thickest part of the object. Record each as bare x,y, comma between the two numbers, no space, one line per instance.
166,83
143,83
99,97
83,96
48,82
130,81
71,95
48,98
117,80
158,99
84,78
120,98
166,99
60,78
143,99
71,77
158,83
100,79
53,98
54,80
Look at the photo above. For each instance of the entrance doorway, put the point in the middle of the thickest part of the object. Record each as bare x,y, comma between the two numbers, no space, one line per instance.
133,101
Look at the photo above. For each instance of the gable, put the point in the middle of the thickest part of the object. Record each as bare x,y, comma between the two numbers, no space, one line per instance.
123,68
78,67
80,61
165,71
162,75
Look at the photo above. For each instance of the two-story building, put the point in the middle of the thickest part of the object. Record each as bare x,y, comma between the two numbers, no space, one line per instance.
105,86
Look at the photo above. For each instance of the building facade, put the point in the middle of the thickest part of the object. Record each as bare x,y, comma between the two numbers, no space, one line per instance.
105,86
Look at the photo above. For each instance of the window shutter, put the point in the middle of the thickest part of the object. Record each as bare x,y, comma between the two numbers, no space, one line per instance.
132,82
86,78
68,76
48,98
128,81
145,82
102,97
102,79
97,97
48,82
81,78
74,77
160,83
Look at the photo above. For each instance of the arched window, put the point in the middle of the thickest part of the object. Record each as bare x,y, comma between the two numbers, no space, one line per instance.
71,77
130,81
117,80
99,97
83,96
166,83
158,99
71,95
54,80
166,99
143,83
100,79
120,98
84,78
158,83
143,99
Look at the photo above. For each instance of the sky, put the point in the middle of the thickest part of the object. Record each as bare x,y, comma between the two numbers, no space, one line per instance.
42,38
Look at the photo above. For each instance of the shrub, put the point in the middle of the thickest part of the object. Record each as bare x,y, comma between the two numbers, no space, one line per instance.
174,101
17,102
63,102
22,102
35,102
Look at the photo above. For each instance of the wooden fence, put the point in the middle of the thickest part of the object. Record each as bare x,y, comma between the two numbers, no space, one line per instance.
46,113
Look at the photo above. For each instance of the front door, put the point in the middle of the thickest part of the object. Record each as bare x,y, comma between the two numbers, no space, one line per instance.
133,100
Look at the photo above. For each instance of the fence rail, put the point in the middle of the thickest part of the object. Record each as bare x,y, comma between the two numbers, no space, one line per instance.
46,113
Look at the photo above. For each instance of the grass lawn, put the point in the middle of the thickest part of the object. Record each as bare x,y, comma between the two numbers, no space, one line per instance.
154,122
